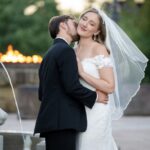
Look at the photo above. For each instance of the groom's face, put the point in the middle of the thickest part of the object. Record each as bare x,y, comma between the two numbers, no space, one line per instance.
72,29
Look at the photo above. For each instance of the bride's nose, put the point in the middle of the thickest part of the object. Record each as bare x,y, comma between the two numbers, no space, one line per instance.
85,24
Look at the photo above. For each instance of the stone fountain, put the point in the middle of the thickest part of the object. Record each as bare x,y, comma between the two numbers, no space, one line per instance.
24,78
17,140
21,79
3,117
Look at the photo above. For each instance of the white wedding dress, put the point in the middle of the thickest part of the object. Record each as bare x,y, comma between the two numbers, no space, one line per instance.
98,135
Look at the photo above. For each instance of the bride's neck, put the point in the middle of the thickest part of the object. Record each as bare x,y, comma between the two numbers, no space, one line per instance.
84,42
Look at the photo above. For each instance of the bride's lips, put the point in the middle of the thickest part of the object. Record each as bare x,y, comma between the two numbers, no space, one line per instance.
82,29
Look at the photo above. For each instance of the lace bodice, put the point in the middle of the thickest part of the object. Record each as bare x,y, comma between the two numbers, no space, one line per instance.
92,65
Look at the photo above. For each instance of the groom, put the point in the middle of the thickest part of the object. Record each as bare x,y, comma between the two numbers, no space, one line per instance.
62,112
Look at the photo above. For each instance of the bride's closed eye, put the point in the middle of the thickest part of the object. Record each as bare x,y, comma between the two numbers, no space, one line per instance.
84,18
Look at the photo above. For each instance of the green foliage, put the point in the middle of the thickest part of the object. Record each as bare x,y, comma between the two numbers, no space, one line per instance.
29,34
135,21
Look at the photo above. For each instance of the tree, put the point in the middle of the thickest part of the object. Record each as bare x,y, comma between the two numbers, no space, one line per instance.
29,34
136,23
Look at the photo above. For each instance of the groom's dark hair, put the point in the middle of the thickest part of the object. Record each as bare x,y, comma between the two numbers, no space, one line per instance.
54,23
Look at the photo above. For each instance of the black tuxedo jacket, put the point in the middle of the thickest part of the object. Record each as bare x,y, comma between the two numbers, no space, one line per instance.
62,96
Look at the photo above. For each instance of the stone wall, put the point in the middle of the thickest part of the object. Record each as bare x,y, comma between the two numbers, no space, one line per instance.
27,96
140,104
25,80
21,75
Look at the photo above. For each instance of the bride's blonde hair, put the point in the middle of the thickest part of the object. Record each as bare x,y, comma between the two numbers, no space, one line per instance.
100,38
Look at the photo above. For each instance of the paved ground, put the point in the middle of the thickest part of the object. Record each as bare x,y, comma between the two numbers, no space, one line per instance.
130,133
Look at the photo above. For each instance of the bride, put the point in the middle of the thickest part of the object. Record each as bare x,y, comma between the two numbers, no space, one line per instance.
109,62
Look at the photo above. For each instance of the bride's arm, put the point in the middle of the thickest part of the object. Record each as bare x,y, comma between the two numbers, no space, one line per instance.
105,83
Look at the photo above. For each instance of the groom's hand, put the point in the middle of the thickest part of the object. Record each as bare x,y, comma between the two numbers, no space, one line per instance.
102,97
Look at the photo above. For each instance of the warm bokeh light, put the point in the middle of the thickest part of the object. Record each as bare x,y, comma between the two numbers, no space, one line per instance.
108,1
77,6
68,5
31,9
14,56
139,1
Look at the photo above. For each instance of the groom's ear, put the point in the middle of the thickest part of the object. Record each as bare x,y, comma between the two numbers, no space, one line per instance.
62,26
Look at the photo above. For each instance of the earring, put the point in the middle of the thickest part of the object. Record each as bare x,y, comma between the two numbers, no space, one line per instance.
94,37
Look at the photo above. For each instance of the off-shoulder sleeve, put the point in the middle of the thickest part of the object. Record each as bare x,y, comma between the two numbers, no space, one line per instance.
102,61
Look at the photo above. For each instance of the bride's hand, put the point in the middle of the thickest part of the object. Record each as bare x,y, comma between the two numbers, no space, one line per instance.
102,97
80,67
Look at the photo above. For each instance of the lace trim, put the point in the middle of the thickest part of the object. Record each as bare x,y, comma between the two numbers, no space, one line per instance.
102,61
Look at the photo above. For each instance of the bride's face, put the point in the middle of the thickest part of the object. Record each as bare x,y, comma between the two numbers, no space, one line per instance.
88,25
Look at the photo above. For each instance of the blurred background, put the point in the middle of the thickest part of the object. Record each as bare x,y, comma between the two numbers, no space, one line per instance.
24,23
24,39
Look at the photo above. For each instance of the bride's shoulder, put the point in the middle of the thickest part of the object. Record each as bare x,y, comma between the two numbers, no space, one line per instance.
100,49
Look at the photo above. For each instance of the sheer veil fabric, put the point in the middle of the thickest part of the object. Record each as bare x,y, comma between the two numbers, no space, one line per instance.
129,65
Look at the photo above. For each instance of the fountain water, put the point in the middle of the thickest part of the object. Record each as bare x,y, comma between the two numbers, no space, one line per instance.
26,139
27,143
